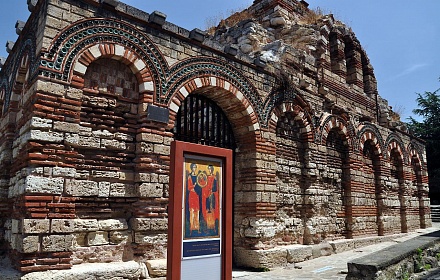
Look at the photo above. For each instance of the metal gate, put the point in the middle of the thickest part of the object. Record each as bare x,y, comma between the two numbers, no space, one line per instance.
200,120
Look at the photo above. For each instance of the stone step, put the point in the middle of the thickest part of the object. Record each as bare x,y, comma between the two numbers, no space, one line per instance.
283,255
103,271
391,261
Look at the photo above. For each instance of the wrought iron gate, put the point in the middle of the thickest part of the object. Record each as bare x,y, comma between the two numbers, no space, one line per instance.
200,120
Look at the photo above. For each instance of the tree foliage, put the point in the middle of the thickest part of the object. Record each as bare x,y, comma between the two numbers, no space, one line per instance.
429,130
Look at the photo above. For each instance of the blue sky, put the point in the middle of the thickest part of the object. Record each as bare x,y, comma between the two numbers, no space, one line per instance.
401,37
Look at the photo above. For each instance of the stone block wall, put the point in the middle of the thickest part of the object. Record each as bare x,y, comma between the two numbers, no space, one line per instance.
85,167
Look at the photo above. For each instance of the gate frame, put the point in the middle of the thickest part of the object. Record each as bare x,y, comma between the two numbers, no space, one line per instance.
174,249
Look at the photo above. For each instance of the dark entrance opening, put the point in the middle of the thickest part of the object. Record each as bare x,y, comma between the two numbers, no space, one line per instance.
201,121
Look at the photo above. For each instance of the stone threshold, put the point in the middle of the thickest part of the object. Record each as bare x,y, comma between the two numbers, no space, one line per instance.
130,270
284,255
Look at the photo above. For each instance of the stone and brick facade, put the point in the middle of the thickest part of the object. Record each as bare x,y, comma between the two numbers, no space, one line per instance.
85,169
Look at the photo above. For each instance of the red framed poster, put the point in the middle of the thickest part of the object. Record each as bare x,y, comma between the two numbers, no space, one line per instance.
200,212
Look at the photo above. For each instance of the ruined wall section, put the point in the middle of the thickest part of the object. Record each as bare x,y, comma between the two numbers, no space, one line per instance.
328,68
293,39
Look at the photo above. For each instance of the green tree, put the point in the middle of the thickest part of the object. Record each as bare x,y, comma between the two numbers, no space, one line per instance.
429,130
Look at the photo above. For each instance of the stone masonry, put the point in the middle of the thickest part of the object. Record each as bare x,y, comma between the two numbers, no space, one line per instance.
84,178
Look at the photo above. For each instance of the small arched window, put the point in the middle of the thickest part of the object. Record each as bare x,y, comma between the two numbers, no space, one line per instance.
350,61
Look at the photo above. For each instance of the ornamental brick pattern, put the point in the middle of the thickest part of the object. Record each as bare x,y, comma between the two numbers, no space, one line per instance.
85,167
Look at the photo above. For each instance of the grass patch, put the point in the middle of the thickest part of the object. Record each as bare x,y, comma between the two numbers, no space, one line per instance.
232,18
312,16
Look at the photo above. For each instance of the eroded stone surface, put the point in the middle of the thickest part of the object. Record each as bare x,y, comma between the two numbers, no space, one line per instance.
57,243
112,224
35,226
97,238
157,268
111,271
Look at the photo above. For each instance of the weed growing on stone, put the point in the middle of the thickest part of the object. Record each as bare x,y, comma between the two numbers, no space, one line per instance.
313,15
418,266
233,17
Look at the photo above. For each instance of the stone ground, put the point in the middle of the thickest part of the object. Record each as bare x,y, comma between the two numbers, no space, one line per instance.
6,272
332,267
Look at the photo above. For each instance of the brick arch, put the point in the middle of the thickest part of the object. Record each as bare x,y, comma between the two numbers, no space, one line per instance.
394,145
420,190
116,38
3,91
370,132
23,67
330,122
117,52
371,166
216,88
360,62
396,150
27,49
283,94
19,81
21,78
394,142
203,71
61,60
293,140
300,114
337,138
243,119
414,150
413,153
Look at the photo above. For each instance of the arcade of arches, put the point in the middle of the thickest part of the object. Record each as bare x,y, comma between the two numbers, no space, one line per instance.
92,102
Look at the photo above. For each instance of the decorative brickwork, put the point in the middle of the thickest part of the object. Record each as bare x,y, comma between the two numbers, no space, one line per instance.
85,162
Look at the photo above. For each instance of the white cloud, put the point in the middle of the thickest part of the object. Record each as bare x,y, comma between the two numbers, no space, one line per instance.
411,69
